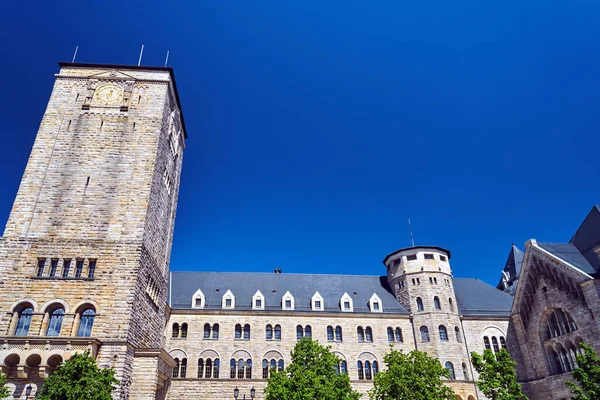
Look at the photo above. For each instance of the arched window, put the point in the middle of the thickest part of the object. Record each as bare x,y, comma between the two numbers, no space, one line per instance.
486,342
443,333
176,369
368,334
399,335
424,334
361,334
265,369
299,332
273,365
368,375
361,373
557,322
86,322
277,332
216,368
248,369
184,329
200,368
458,336
436,303
207,331
495,344
238,331
175,331
375,368
343,367
308,331
183,370
450,367
232,367
215,333
55,322
269,332
465,371
280,365
208,368
451,304
502,342
247,331
419,304
240,365
338,333
330,333
390,333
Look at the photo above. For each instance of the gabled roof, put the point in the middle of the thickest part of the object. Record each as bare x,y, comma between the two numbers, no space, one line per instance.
512,267
568,253
587,237
273,286
477,298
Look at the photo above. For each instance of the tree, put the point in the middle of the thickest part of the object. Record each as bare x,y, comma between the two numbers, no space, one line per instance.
3,389
79,378
587,374
412,376
497,376
311,375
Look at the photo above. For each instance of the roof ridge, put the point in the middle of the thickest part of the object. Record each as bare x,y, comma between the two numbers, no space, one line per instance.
271,273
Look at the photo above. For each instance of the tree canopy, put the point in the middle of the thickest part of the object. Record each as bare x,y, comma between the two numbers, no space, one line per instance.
4,392
587,374
79,378
311,375
497,376
411,376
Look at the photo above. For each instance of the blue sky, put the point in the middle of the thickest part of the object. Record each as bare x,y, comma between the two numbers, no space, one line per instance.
317,127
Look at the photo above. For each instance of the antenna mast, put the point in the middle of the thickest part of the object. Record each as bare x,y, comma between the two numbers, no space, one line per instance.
75,54
167,59
141,52
412,239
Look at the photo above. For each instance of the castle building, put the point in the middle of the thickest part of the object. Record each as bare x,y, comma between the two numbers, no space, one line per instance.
84,265
556,307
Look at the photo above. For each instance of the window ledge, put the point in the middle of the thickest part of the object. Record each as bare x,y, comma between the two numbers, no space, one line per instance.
60,278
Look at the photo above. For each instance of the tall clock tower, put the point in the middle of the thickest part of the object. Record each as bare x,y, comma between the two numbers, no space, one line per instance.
85,253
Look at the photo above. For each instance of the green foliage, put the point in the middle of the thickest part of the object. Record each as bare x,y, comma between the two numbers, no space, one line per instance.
79,378
311,375
412,376
3,389
497,376
587,374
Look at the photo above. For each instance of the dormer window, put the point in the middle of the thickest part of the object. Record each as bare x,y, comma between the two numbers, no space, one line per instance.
317,302
258,301
375,303
228,300
346,303
287,301
198,299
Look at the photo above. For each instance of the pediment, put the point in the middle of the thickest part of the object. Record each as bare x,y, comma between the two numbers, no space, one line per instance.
113,74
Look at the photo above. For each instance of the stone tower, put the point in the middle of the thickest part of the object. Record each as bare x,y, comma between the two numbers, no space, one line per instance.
85,253
421,280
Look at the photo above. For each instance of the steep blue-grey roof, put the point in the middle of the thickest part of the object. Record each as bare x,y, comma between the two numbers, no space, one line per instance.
474,297
569,253
512,267
477,298
274,286
587,237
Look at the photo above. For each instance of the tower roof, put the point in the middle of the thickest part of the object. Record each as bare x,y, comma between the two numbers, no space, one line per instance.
437,248
512,267
134,67
587,237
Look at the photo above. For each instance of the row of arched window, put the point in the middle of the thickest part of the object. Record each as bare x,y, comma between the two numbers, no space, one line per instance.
437,305
269,366
273,332
443,333
52,322
64,269
494,345
367,370
562,357
557,322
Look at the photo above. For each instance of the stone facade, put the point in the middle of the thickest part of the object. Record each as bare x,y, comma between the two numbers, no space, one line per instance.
91,227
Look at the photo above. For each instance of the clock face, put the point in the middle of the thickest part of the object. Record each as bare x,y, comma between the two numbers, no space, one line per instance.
109,95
